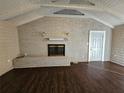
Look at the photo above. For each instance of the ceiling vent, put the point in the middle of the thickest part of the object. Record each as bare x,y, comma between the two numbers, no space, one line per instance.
69,12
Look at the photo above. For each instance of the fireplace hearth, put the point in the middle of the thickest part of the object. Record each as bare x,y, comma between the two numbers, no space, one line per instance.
56,49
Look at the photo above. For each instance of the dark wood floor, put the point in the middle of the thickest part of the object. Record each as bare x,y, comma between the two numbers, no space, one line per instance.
81,78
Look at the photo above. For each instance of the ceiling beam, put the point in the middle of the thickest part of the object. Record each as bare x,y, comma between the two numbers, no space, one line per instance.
103,22
48,11
73,6
33,15
26,18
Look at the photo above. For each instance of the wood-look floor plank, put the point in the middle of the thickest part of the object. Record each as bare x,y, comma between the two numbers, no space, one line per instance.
81,78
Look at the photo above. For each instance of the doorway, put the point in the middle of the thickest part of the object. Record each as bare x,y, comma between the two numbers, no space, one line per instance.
96,45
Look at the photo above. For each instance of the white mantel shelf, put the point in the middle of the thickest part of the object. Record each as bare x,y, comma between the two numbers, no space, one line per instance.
57,39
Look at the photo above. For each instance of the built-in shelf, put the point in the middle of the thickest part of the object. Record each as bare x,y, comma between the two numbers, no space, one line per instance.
56,36
56,39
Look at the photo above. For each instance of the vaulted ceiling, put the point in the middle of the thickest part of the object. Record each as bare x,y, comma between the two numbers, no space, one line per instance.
108,12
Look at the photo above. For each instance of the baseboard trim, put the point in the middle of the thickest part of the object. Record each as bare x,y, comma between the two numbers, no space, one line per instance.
43,67
2,74
117,63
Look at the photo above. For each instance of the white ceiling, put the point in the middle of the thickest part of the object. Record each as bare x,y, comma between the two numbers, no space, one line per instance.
108,12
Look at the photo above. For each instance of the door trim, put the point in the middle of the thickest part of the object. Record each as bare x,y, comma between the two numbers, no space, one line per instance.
104,43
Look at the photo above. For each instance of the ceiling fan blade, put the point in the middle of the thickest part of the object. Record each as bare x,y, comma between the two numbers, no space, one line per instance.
84,2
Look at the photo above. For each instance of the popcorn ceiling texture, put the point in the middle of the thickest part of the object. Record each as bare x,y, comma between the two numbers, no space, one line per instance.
32,43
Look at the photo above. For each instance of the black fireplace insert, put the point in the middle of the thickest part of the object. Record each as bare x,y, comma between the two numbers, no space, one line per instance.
56,49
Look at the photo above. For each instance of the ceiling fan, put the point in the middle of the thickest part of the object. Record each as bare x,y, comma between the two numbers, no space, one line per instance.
84,2
77,2
53,1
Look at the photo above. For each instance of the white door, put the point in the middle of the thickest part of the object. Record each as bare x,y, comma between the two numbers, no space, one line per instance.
96,45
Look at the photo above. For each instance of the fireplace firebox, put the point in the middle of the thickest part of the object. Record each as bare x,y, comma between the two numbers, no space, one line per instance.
56,49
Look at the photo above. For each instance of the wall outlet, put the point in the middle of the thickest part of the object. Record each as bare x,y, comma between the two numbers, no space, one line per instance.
8,60
25,54
87,44
83,57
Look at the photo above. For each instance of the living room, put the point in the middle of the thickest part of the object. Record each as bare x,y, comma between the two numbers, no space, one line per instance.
78,43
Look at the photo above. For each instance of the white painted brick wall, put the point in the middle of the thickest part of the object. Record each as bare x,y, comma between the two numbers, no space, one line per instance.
32,43
9,48
117,55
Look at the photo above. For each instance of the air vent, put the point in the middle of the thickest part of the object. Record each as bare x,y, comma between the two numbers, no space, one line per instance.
83,2
69,12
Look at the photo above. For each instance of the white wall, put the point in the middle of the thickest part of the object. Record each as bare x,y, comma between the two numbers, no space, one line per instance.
32,43
8,46
117,55
108,41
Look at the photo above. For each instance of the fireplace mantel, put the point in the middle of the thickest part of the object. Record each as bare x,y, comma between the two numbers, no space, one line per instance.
57,39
